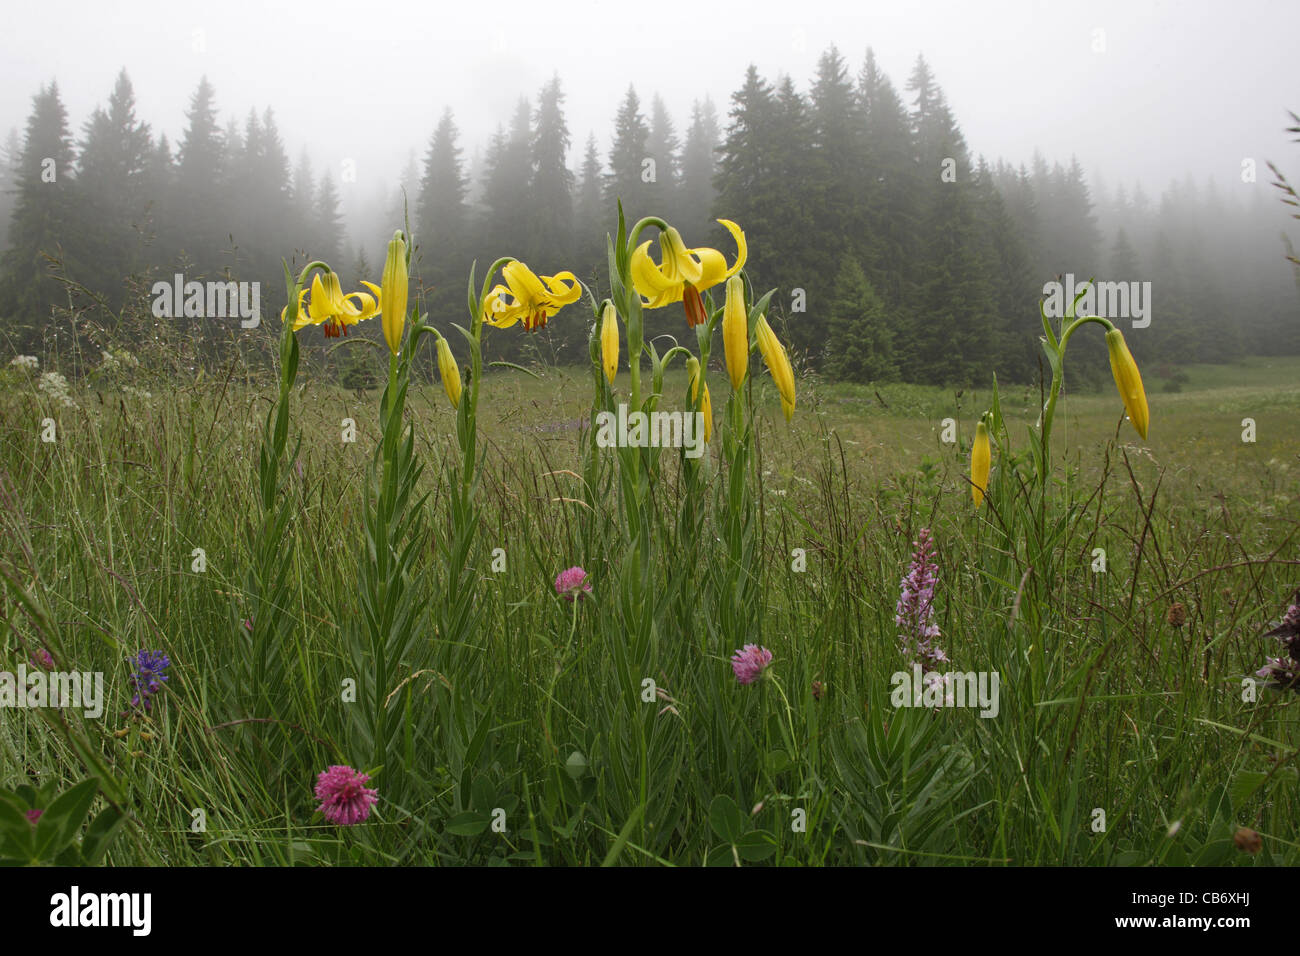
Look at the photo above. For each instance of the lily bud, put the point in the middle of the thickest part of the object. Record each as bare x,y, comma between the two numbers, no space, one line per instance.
778,363
1129,381
609,341
393,296
735,332
449,371
981,457
706,406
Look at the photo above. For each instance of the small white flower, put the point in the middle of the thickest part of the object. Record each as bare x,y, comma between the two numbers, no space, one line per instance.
56,386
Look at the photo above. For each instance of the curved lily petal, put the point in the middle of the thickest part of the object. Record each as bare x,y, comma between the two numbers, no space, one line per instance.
499,313
318,308
649,280
742,250
367,308
524,284
564,288
302,318
679,263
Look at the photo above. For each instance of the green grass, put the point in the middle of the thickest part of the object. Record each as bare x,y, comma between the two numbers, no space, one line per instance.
1135,717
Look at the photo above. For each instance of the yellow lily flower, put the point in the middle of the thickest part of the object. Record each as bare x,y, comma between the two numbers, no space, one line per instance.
778,363
1129,381
528,297
682,274
609,341
450,372
330,307
735,332
706,406
981,458
395,292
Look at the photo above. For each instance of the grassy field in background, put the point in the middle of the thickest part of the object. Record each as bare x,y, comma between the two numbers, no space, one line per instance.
1144,719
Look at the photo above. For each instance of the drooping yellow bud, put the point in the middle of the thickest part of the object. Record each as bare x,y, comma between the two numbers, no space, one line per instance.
449,371
393,294
735,332
778,363
706,409
1129,381
706,406
981,457
609,341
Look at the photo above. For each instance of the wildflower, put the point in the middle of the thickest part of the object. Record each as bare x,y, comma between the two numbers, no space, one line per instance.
749,664
149,677
344,797
915,609
1128,380
33,815
981,455
56,386
609,341
328,305
450,372
25,363
682,274
571,583
116,361
528,297
1284,672
735,332
706,406
43,659
778,363
1247,840
393,294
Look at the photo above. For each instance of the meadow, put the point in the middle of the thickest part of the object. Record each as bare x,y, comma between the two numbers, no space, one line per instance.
505,724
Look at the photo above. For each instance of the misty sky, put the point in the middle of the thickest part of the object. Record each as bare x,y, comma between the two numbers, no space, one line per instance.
1187,87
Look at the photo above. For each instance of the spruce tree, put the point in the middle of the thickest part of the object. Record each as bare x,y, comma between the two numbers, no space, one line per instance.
43,218
442,217
327,224
860,341
662,147
696,195
838,161
889,186
304,203
110,238
199,197
592,218
10,156
550,199
508,171
158,188
1015,324
624,180
955,317
1123,259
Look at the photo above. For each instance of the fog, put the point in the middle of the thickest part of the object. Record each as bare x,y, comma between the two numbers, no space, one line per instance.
909,175
1163,91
